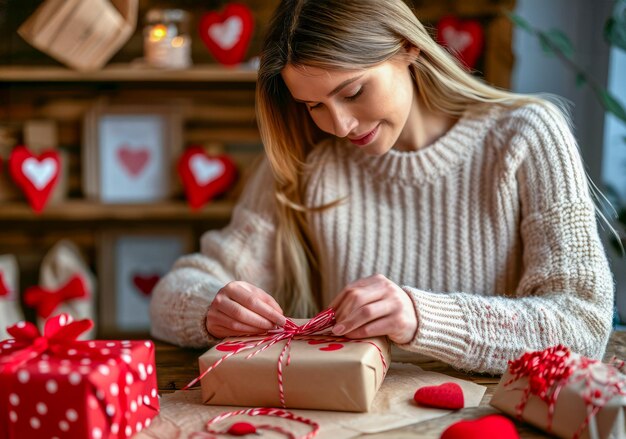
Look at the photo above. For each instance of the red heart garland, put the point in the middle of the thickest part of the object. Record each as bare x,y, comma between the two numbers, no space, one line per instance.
445,396
487,427
464,38
133,160
4,289
35,175
145,284
204,176
228,34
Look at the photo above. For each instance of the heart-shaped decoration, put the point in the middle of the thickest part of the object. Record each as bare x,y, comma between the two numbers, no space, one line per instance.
487,427
463,37
133,160
444,396
229,346
227,34
204,177
145,283
35,175
332,347
4,289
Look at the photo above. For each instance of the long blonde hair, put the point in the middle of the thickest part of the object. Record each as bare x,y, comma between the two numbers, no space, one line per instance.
340,35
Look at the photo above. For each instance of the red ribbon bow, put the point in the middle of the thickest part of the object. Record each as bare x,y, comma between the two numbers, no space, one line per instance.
291,331
46,301
59,332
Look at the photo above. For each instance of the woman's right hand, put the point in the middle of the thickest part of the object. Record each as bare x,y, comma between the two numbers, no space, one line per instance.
240,308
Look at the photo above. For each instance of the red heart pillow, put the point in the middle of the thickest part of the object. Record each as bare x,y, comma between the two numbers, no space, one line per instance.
35,175
445,396
227,34
487,427
204,176
464,37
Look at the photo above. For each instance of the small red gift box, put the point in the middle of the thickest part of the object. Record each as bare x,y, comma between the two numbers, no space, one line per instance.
60,387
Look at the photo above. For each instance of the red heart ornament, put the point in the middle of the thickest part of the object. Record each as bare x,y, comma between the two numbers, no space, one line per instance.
4,289
444,396
464,38
35,175
133,160
487,427
204,176
227,34
229,347
145,284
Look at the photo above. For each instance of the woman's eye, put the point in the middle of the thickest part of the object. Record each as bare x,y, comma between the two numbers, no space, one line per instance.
355,95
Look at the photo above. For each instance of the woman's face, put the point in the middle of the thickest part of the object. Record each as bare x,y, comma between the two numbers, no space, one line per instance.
370,107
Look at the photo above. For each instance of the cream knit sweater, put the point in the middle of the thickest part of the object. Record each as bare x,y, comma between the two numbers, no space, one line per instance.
490,230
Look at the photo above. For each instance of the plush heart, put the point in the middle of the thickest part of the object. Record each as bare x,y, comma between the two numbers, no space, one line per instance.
35,175
228,347
464,37
445,396
204,177
133,160
4,289
487,427
145,284
227,34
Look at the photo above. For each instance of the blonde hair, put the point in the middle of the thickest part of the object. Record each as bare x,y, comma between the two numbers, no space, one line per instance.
340,35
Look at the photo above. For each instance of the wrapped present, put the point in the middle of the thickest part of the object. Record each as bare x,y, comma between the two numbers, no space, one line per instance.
66,388
565,394
295,367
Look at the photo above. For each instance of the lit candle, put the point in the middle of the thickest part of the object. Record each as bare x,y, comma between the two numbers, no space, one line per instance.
167,43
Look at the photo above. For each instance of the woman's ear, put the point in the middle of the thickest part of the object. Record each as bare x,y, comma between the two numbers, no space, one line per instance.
414,53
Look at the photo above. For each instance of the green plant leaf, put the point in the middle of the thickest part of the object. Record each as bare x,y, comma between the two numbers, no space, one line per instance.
556,40
581,79
612,105
615,26
520,22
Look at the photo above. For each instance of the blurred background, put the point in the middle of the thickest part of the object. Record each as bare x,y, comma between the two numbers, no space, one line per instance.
127,128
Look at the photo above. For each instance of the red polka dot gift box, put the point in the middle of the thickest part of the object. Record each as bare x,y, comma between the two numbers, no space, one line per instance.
565,394
297,366
53,385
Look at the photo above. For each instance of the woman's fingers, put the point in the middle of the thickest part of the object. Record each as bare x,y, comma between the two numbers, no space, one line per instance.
256,300
379,327
362,316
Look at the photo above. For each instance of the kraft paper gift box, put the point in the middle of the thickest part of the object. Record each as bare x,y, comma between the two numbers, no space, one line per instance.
564,394
55,386
324,373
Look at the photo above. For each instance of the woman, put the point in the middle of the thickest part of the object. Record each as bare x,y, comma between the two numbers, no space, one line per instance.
417,201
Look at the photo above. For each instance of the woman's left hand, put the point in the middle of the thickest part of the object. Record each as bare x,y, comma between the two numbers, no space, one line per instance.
375,306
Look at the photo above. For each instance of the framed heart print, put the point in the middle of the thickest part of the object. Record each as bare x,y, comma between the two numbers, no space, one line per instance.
129,152
130,264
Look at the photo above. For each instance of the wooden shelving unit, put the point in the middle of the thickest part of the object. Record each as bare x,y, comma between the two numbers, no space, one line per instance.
126,73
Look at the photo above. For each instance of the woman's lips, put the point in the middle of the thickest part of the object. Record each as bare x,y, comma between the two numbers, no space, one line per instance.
364,140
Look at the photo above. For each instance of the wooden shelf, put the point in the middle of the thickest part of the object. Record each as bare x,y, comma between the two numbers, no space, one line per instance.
126,73
80,210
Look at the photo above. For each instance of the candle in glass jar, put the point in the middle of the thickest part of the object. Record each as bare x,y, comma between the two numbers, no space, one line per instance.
167,43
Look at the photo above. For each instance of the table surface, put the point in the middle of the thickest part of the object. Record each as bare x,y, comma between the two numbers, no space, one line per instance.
178,366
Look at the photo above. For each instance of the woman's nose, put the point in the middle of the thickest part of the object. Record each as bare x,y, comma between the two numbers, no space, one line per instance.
343,122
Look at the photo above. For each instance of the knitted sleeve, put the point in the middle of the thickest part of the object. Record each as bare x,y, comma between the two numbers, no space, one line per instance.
566,291
243,250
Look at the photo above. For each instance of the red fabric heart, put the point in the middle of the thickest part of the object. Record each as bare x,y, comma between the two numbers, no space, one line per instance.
444,396
133,160
487,427
332,347
241,429
463,37
4,289
35,175
227,34
228,347
145,284
204,177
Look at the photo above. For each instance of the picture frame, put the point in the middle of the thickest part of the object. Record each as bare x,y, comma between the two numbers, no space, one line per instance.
130,152
130,263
